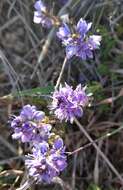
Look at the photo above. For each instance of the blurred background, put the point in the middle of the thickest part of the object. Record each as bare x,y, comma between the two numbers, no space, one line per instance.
24,65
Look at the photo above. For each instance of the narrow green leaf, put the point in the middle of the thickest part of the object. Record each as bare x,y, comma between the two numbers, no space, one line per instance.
35,91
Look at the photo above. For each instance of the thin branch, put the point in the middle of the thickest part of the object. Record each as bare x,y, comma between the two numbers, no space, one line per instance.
9,160
26,185
95,141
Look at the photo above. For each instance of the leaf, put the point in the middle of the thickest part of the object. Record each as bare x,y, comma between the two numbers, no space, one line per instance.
34,91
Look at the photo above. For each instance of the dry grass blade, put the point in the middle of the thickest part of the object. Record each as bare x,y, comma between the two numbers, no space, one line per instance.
99,151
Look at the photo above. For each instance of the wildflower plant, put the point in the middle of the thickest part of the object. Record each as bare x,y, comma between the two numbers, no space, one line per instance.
47,157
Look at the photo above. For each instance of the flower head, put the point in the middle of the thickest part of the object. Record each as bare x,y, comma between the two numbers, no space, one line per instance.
40,15
77,41
68,103
29,126
46,161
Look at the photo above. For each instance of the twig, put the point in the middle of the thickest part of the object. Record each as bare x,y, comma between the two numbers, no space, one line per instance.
7,161
74,171
24,21
114,22
64,185
95,141
44,50
61,73
8,145
11,172
98,150
26,185
9,23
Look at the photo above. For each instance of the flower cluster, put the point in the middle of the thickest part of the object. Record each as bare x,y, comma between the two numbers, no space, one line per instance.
29,125
48,155
76,40
68,103
41,15
47,161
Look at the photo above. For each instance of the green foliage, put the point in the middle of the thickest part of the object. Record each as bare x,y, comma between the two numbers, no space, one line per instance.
119,29
1,168
96,89
103,69
108,42
93,187
105,108
7,179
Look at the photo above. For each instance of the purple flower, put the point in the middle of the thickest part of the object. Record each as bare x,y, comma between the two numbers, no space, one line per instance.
68,103
29,126
46,161
77,41
41,16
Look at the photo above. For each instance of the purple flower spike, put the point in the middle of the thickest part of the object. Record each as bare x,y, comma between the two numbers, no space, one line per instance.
40,16
68,103
46,162
79,42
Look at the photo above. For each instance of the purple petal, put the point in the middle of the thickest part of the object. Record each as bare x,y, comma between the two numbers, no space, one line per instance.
27,112
94,41
71,51
44,147
58,143
83,27
37,17
17,135
63,32
39,115
61,164
39,6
